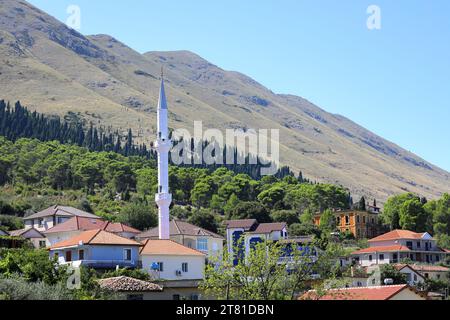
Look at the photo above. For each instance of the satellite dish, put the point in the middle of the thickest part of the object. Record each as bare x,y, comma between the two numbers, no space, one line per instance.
155,266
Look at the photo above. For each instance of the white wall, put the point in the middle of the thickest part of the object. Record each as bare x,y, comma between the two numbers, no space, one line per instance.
172,263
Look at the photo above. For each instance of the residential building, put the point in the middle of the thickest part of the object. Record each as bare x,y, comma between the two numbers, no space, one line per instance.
169,260
395,292
432,272
132,289
362,224
413,277
50,217
400,245
242,235
97,249
34,236
77,225
190,236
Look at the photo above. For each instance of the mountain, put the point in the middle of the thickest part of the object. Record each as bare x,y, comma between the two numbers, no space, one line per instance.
56,70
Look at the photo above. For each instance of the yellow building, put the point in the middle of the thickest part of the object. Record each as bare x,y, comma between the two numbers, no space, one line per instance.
362,224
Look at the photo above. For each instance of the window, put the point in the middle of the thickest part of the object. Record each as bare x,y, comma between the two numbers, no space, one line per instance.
202,244
80,254
370,258
41,223
418,244
438,258
364,219
426,275
68,256
357,218
347,220
338,221
42,244
160,266
438,276
409,244
381,256
127,254
415,277
184,267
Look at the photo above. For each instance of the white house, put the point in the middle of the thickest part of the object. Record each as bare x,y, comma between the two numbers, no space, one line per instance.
169,260
399,245
190,236
34,236
77,225
50,217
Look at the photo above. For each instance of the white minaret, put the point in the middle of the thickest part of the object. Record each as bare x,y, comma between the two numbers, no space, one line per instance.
163,145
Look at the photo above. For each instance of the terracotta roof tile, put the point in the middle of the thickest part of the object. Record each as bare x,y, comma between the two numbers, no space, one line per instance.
21,232
394,248
178,227
167,247
246,224
61,211
84,224
127,284
95,237
269,227
398,234
364,293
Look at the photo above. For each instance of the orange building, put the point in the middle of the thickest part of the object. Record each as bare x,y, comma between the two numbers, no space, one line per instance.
362,224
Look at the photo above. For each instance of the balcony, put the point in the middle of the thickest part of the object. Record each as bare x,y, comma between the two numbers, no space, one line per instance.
103,264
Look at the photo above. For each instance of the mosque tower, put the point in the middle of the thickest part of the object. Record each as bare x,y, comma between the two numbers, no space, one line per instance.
163,145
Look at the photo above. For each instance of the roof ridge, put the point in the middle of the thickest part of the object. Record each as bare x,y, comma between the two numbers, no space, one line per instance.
95,235
176,226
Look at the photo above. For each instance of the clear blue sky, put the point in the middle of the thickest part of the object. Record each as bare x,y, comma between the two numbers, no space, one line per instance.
394,81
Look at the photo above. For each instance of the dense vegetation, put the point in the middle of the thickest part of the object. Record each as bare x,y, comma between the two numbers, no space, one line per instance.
17,122
122,188
410,212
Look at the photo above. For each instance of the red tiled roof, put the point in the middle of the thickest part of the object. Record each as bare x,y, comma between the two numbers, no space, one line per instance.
167,247
364,293
246,224
394,248
178,227
429,268
84,224
127,284
95,237
398,234
270,227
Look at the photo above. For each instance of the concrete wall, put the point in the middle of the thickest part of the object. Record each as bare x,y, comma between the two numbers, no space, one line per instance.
172,263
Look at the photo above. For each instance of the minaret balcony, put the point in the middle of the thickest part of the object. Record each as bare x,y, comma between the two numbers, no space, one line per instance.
163,199
162,145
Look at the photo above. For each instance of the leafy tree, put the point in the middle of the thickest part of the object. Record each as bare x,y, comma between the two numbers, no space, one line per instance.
327,221
270,197
288,216
139,216
388,271
362,204
391,212
251,210
204,219
413,216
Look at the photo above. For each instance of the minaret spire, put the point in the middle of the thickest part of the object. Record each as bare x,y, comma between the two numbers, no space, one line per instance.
163,145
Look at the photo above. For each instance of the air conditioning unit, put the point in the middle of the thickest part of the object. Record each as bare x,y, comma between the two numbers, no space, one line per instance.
178,273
